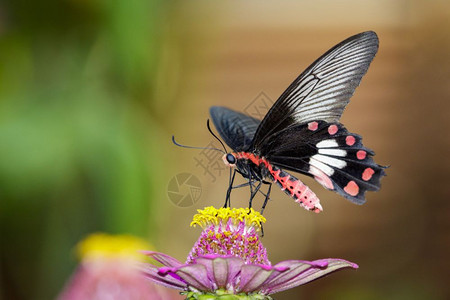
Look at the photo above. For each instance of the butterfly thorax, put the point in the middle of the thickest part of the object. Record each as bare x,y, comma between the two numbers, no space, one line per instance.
251,157
251,165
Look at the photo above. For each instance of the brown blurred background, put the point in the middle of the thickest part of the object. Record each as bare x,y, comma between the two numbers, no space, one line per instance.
153,70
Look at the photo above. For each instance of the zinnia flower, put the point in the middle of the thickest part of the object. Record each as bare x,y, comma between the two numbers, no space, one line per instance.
229,259
108,270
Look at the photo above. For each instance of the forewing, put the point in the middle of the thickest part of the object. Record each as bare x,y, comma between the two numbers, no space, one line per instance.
323,90
336,158
235,128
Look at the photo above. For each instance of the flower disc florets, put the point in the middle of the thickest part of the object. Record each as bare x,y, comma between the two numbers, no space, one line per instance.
229,231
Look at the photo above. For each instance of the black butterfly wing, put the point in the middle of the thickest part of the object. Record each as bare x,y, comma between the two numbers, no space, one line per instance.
326,151
323,90
235,128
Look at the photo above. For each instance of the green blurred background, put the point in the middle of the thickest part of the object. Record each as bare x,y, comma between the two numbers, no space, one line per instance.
92,90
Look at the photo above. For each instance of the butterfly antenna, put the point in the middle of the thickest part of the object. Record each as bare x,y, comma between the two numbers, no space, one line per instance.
209,128
191,147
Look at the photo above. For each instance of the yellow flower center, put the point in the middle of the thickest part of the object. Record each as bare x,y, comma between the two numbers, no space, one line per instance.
229,231
213,216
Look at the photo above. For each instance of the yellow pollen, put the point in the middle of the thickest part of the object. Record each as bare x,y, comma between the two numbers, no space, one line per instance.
227,233
212,216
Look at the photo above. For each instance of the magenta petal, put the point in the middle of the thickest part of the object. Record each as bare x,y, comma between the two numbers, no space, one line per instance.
151,273
162,258
222,270
195,275
302,272
167,281
211,272
254,276
295,267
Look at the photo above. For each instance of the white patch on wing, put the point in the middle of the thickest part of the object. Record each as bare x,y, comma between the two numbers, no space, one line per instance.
321,166
331,143
334,162
334,152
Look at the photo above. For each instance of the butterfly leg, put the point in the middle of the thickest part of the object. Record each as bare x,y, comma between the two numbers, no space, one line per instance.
250,183
253,183
230,186
267,196
253,192
265,203
242,185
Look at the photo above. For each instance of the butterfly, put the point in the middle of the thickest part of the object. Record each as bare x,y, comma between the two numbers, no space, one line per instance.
301,132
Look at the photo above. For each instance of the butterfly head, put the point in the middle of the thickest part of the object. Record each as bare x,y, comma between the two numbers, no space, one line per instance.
229,159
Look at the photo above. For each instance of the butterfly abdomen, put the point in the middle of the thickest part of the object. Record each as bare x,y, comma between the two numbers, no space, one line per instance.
288,183
296,189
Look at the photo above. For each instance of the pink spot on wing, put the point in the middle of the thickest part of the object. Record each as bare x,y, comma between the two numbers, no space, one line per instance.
367,174
313,126
325,181
321,177
332,129
350,140
361,154
351,188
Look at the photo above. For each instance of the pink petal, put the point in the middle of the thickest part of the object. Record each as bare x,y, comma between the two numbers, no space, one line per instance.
254,276
295,269
162,258
222,270
151,272
195,275
302,272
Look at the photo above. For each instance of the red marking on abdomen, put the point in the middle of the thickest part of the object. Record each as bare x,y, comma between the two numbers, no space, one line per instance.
295,188
288,183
